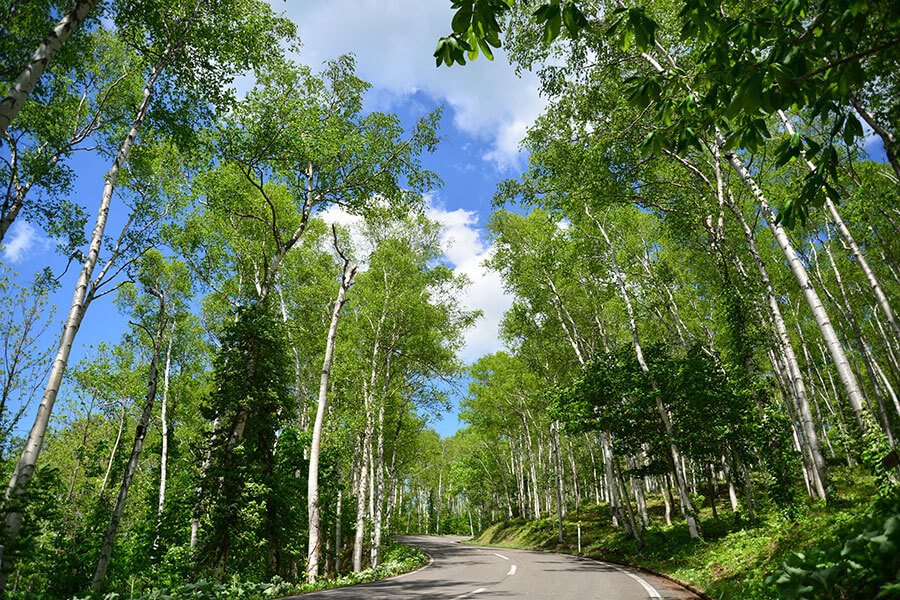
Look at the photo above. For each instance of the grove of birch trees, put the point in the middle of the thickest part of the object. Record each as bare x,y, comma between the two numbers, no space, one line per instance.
703,250
703,261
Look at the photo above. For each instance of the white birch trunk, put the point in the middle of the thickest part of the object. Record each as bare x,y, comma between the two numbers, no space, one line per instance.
315,546
359,537
675,454
811,438
204,469
164,452
533,466
833,344
112,454
848,379
557,488
46,51
338,542
378,490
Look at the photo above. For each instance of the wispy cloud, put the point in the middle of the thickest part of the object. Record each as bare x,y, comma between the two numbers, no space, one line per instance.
22,240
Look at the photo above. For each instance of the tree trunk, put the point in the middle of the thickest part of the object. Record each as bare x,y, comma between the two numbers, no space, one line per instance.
848,379
574,478
851,242
139,436
534,481
359,537
667,502
204,469
46,51
338,542
612,487
164,453
312,499
560,470
440,496
594,472
811,438
637,490
850,319
378,489
633,524
112,454
557,487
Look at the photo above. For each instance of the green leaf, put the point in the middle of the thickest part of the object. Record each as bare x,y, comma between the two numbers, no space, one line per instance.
462,19
551,30
789,149
486,49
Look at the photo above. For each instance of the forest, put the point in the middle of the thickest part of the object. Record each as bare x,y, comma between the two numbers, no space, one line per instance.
700,365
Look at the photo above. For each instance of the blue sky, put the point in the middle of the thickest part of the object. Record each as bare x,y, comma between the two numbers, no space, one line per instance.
487,111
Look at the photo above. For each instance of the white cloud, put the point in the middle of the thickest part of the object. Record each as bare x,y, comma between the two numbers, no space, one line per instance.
22,239
393,41
466,249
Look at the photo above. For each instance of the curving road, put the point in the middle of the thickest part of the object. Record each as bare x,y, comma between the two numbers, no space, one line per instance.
459,571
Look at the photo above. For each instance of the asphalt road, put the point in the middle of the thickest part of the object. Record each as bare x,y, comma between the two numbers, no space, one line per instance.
459,571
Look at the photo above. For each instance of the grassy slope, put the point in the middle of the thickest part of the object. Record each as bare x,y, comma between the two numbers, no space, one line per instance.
734,557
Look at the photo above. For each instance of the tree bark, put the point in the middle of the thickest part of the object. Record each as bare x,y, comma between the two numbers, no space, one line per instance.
112,454
661,409
314,547
46,51
359,537
378,489
557,486
811,438
532,464
848,379
164,452
835,349
851,242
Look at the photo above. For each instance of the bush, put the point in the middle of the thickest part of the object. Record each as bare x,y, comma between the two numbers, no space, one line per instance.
865,566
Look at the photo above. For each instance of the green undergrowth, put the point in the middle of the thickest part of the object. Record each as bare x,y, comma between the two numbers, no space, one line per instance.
847,549
396,559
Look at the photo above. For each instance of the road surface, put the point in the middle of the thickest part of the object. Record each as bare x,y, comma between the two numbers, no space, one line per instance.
460,571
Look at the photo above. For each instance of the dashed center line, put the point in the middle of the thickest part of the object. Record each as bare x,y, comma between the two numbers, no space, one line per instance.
512,570
501,556
472,593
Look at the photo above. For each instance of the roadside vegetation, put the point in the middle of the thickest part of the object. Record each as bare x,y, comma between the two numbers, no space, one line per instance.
397,559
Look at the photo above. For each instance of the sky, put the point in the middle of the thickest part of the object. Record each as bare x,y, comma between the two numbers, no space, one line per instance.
487,110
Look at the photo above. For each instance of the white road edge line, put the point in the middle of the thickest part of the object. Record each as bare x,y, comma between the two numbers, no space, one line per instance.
649,588
512,570
467,594
501,556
